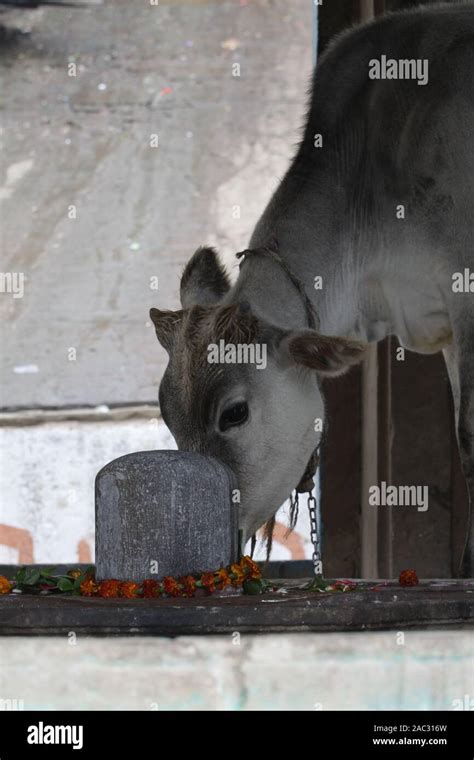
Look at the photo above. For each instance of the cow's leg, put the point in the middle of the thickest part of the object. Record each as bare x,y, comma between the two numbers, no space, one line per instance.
460,363
453,372
466,449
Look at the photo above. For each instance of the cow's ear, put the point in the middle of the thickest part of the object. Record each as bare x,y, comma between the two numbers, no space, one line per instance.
166,325
204,281
327,355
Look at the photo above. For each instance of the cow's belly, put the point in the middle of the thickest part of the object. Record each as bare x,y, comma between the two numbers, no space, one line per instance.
420,317
427,335
406,302
414,309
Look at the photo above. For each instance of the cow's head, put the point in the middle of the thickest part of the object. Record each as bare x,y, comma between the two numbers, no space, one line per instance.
257,417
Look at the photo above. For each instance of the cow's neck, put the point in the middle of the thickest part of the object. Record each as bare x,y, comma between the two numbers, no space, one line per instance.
311,249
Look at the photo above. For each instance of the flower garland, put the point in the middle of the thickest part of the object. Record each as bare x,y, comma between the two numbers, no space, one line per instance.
245,573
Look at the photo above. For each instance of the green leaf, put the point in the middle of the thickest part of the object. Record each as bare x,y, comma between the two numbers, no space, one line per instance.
317,584
32,577
47,572
253,587
20,575
66,584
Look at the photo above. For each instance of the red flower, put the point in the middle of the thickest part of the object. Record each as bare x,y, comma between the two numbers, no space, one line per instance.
345,585
171,586
109,589
151,588
208,582
408,578
88,587
189,585
129,589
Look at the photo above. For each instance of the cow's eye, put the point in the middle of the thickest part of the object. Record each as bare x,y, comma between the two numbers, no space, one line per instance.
234,415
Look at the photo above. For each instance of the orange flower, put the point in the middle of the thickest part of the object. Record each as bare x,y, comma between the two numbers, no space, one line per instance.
250,568
74,573
171,586
237,575
109,589
222,579
208,582
189,585
151,588
5,585
88,587
408,578
129,589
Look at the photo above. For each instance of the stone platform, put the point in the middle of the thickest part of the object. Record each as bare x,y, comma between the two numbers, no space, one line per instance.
373,606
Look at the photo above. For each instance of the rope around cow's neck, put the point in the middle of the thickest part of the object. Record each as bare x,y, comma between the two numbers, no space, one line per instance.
271,252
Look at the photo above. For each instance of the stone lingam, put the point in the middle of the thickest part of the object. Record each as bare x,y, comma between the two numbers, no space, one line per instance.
162,513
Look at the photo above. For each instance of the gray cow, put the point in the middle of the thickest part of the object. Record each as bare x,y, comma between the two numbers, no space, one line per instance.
369,234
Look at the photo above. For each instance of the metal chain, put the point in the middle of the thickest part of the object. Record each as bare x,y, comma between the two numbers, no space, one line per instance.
316,558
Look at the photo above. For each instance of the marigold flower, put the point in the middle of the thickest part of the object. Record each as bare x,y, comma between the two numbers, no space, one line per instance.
171,586
150,588
109,589
74,573
250,568
208,582
129,589
222,579
5,585
408,578
189,585
88,587
237,575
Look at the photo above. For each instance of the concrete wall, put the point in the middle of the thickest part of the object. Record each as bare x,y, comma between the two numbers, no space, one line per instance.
90,212
380,671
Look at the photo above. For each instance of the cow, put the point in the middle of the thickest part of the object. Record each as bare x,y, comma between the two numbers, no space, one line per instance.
369,234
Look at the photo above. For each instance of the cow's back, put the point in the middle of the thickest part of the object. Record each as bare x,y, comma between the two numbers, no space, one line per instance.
385,142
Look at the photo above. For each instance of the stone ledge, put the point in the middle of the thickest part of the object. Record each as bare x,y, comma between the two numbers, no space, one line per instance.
430,605
18,417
